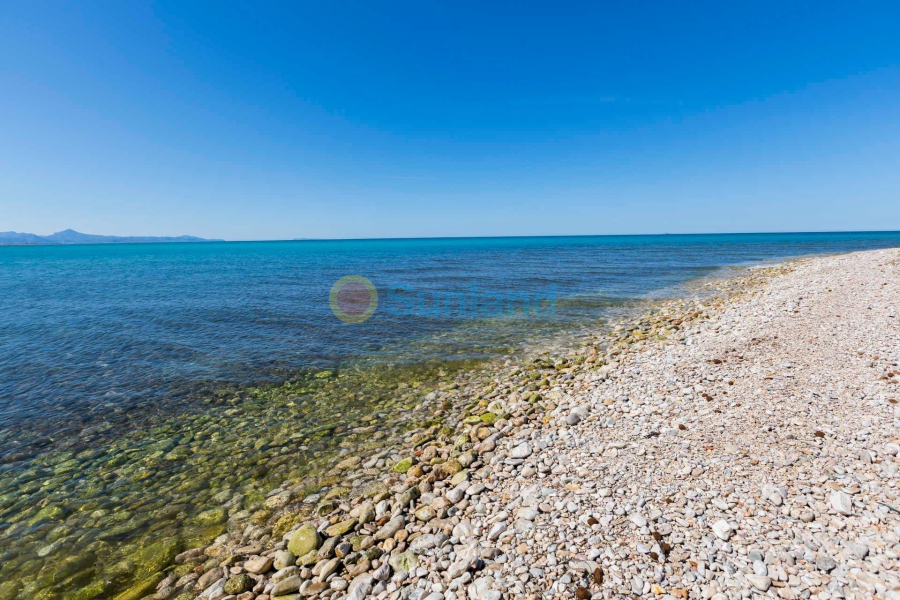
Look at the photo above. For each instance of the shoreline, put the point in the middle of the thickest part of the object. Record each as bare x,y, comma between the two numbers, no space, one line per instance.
459,452
467,526
445,400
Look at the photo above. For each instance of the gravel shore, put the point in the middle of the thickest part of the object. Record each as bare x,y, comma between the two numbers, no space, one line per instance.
745,445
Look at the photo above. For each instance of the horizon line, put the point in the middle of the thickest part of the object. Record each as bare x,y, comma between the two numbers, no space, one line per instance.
461,237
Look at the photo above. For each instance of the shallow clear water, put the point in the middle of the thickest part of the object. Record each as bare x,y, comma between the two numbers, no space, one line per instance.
127,372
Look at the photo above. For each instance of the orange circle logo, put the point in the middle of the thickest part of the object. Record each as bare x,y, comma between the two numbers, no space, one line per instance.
353,299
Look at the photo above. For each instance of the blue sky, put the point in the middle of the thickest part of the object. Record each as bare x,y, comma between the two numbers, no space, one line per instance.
403,119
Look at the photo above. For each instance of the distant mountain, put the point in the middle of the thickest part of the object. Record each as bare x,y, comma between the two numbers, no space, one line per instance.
70,236
11,237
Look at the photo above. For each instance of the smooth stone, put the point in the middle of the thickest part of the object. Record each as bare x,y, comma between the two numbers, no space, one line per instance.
479,588
760,582
287,586
283,559
390,528
465,561
523,450
640,520
859,550
760,568
259,564
361,587
423,543
841,503
825,563
330,567
722,529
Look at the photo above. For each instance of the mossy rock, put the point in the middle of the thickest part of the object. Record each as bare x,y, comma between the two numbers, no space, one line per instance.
326,507
261,517
119,572
355,540
341,528
46,594
374,489
451,467
79,579
304,540
238,584
330,480
308,559
52,512
200,536
285,524
337,492
92,591
183,569
144,588
156,556
9,590
404,562
212,517
404,465
58,533
406,498
374,552
59,571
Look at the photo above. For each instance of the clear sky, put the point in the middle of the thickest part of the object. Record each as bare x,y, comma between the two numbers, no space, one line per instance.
263,120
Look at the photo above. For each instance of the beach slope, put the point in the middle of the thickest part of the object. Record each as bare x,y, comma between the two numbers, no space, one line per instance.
757,453
746,445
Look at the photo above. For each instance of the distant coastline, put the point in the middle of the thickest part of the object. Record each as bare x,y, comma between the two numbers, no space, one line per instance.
70,236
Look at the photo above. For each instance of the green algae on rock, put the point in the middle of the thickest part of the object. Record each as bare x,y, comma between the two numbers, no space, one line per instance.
304,540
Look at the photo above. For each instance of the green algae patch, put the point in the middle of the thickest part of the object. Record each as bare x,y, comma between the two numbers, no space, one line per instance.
286,523
140,498
156,556
144,588
52,512
214,516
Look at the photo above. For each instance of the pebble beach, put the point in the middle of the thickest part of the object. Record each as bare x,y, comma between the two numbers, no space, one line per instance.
740,445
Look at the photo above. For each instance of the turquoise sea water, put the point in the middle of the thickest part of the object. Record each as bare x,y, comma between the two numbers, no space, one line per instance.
130,425
90,331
